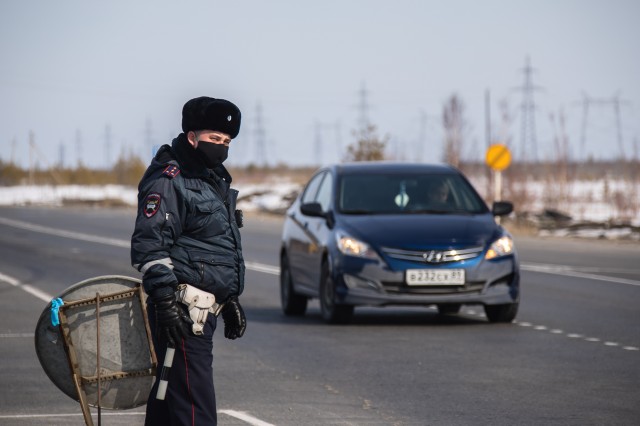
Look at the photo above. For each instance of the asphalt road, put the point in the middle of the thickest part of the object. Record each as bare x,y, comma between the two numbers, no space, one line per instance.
571,358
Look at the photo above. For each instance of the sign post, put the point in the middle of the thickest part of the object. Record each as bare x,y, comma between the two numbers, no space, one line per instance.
498,158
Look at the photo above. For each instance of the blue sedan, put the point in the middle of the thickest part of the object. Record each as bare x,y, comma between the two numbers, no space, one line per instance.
379,234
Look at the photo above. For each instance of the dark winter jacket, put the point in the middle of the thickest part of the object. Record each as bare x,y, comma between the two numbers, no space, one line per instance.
186,229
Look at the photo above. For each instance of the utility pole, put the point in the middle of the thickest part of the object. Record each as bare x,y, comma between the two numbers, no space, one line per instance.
363,108
614,102
14,144
528,124
261,158
79,147
318,143
422,136
616,108
487,134
148,136
107,145
338,132
31,157
61,155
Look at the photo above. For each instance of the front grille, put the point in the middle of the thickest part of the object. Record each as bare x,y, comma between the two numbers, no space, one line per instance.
433,256
468,288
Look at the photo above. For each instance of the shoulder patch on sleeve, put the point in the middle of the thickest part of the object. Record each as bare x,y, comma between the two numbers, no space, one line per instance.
171,171
151,204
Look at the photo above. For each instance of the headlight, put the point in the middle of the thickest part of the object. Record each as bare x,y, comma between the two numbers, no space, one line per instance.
500,247
354,247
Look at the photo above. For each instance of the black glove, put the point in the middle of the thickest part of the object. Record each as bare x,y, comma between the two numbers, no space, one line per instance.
235,322
172,322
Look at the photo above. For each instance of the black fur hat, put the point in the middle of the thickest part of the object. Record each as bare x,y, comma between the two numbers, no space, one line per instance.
211,114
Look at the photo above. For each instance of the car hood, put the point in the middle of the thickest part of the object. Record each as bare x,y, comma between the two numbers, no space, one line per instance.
422,230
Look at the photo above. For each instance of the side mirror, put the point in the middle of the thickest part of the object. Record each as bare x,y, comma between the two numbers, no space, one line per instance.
312,209
502,208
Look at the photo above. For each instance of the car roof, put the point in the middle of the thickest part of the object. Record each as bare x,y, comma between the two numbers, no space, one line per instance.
376,167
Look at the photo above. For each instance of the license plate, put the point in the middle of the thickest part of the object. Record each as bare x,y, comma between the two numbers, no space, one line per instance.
435,277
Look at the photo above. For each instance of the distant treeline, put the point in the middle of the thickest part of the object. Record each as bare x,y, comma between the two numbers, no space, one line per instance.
128,171
125,172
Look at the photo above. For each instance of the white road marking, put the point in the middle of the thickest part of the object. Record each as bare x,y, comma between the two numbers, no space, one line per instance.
237,414
574,335
39,416
254,266
26,287
12,335
47,298
274,270
261,267
568,272
66,234
245,417
269,269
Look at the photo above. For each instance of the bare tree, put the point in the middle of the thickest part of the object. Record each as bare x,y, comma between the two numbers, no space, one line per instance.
454,128
368,145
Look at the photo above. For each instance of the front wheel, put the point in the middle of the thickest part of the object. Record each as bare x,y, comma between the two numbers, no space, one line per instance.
332,312
501,313
293,304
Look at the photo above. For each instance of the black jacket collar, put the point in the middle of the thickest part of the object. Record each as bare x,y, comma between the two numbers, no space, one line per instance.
192,165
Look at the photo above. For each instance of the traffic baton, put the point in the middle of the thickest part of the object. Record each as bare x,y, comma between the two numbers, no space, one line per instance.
164,374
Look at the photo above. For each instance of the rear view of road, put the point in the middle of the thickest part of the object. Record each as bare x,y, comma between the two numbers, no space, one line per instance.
571,358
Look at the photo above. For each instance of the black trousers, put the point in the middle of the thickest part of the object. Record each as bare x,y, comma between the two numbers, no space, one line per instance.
190,398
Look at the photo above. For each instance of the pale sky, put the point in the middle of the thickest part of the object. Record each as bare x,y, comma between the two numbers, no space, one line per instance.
71,68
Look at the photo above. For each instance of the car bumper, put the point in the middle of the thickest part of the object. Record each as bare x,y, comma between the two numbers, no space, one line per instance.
493,282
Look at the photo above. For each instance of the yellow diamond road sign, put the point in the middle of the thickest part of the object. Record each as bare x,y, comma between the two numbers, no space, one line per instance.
498,157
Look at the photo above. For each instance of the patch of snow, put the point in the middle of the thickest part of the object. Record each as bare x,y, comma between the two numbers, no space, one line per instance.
594,206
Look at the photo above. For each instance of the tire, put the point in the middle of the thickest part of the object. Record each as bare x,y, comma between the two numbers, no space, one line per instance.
501,313
449,308
293,304
332,313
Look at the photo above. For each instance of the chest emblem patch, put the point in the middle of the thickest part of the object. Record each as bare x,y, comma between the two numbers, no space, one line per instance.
151,204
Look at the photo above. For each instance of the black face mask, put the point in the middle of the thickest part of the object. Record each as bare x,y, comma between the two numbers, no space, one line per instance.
213,154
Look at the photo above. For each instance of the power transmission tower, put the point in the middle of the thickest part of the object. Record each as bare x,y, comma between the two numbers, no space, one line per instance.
107,145
422,136
148,137
61,152
318,143
528,123
338,131
261,157
363,108
79,147
14,145
33,152
614,102
32,165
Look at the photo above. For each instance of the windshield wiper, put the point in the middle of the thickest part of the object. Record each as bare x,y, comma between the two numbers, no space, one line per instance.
434,211
356,211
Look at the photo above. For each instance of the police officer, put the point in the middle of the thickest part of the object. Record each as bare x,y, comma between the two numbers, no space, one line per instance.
187,232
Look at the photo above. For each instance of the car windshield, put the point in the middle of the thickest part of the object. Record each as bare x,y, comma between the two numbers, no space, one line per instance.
408,194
